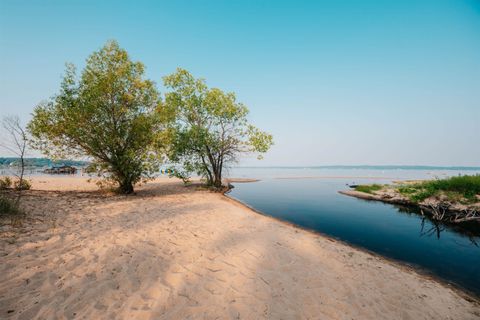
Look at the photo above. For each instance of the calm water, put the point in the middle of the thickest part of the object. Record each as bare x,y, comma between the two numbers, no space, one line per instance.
448,251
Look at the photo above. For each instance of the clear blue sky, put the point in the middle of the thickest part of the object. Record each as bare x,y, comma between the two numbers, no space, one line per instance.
336,82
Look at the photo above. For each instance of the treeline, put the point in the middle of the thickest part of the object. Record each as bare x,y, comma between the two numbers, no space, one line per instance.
41,162
113,115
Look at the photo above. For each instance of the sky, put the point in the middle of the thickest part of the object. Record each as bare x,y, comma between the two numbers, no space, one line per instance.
336,82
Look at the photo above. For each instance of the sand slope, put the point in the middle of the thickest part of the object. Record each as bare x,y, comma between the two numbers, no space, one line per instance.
175,253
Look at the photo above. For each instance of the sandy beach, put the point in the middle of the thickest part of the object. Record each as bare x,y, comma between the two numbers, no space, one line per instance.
175,252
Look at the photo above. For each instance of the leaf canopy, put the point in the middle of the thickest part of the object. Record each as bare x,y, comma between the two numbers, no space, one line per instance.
111,114
211,127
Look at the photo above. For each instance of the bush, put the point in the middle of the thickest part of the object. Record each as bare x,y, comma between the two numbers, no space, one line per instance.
183,175
9,207
25,185
5,183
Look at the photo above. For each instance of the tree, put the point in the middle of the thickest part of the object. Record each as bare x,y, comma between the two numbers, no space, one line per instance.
211,127
111,114
15,141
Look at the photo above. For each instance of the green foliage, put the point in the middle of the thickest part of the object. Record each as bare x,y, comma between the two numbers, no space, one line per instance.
211,128
9,207
370,188
460,188
22,185
111,114
5,183
417,192
184,175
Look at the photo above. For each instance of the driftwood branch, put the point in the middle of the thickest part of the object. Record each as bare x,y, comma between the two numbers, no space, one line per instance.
437,210
443,212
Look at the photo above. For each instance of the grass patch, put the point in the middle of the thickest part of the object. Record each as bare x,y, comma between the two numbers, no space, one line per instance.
368,188
459,189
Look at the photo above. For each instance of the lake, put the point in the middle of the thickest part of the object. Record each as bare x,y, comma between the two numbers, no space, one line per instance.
309,198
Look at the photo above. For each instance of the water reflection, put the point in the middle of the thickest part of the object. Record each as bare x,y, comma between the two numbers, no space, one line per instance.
433,228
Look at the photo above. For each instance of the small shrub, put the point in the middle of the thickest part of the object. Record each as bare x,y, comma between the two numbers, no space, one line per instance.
5,183
8,207
183,175
24,185
368,188
106,184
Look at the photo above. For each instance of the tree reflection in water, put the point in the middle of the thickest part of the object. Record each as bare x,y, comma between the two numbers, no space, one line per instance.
430,227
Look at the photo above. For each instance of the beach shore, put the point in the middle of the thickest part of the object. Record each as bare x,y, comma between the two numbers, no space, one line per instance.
439,208
175,252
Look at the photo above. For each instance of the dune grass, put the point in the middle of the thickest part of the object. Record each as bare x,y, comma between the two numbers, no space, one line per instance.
462,189
368,188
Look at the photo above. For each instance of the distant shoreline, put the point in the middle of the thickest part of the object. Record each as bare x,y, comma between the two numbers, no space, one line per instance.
42,162
334,177
371,167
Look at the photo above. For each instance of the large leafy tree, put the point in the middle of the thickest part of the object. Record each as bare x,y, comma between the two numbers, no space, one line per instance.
211,128
111,114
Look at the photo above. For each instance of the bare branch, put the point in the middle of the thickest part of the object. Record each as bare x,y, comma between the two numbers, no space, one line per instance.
15,141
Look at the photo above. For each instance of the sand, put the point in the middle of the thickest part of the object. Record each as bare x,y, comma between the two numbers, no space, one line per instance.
171,252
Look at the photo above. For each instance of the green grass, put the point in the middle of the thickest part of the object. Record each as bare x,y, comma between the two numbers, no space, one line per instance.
370,188
459,189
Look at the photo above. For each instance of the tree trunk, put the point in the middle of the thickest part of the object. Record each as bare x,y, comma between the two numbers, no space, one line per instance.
125,184
126,187
218,172
217,182
22,171
209,176
20,179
